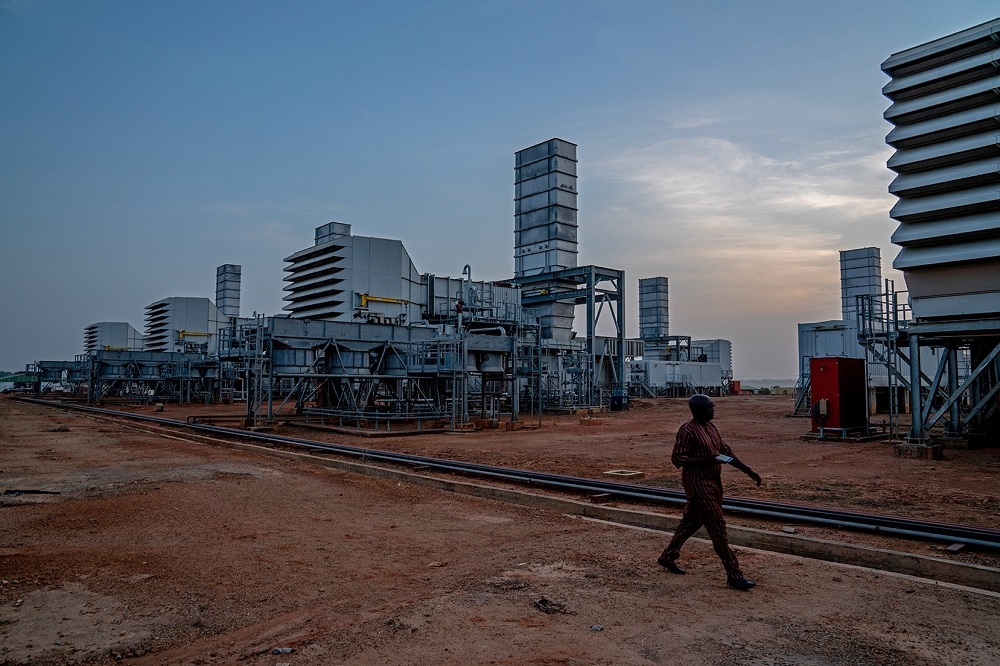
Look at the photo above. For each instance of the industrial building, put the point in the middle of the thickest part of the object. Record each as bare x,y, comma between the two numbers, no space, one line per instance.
368,340
675,365
860,281
117,335
932,348
946,137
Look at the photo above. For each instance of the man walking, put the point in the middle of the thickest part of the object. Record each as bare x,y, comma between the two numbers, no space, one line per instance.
700,451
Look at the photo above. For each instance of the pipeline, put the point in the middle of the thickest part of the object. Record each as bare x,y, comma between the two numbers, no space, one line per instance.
865,522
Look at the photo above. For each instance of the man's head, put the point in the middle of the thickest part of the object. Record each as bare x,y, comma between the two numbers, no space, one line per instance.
702,408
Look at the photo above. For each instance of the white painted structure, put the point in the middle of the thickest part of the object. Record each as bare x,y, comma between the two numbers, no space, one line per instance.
183,324
108,335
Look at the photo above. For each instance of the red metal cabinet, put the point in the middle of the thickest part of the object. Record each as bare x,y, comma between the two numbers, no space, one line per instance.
837,387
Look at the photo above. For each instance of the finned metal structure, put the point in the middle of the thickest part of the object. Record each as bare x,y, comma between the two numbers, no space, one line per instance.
654,309
946,136
112,335
183,324
227,289
344,277
860,275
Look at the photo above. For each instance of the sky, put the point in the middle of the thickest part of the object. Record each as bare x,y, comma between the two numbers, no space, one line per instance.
733,147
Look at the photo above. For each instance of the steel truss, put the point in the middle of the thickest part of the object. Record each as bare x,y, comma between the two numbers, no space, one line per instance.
966,403
358,379
602,362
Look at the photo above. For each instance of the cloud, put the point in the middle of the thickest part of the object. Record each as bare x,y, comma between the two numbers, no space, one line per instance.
744,235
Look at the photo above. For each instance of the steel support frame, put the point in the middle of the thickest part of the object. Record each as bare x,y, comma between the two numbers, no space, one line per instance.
981,385
379,392
595,287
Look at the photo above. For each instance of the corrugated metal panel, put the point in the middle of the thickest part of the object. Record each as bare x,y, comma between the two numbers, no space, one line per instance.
952,100
946,305
948,204
943,153
952,278
965,174
983,118
947,75
932,255
950,230
943,50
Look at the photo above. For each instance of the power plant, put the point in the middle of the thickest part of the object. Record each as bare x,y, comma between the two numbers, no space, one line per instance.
932,349
368,340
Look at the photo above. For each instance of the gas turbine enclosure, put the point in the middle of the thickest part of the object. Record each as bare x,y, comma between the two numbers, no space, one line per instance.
945,95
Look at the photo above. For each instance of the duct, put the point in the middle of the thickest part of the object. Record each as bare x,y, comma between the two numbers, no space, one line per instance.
346,362
545,202
544,182
299,343
227,289
491,362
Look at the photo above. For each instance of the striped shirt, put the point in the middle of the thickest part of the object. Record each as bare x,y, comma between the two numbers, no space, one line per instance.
698,441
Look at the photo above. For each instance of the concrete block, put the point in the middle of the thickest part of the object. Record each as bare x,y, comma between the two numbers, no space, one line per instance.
924,451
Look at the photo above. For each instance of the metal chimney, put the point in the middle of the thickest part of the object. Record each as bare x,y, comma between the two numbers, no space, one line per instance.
545,208
227,289
860,275
654,308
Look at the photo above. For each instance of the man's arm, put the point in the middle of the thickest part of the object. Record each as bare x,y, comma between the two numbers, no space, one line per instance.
743,467
737,463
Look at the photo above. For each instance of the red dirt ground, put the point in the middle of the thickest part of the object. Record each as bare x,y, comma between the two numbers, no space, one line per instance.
161,550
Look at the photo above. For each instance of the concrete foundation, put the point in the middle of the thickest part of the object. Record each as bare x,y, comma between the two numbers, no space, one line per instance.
922,451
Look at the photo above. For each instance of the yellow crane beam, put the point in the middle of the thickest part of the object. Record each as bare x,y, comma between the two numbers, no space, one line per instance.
368,298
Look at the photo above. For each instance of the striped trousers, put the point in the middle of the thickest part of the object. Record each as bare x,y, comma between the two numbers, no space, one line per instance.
708,512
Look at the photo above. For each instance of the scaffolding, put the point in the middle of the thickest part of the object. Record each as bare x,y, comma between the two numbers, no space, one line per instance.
881,319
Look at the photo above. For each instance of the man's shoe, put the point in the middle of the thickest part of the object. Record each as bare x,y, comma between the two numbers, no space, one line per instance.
740,583
670,565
